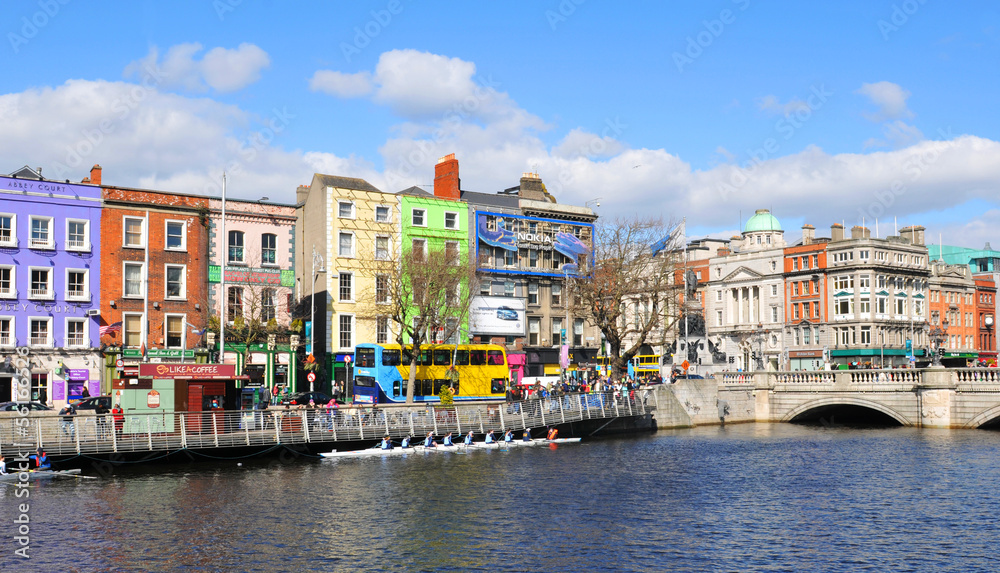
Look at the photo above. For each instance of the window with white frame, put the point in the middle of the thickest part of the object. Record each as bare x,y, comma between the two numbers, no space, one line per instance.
451,251
345,209
40,331
450,220
532,258
508,288
485,287
418,249
774,290
774,314
578,332
532,293
880,281
383,214
235,306
382,330
509,258
41,233
268,304
176,238
534,330
718,318
269,249
41,283
880,256
134,280
844,335
173,331
8,230
795,289
76,333
345,244
557,325
556,294
918,307
8,282
132,330
900,306
864,254
7,331
345,288
175,275
866,335
382,249
844,305
865,305
865,282
843,282
346,330
718,295
382,289
77,284
77,235
236,247
418,217
135,232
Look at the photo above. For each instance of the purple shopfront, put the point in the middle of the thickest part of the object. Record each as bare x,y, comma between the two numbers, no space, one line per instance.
50,284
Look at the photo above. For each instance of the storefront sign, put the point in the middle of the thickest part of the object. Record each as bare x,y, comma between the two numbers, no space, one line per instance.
248,275
805,353
200,371
77,374
153,399
158,353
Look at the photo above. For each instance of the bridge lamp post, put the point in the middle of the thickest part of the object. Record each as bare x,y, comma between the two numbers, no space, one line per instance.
937,336
881,347
988,321
317,261
760,334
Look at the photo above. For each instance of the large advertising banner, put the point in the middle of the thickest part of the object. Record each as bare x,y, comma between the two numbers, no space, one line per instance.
497,315
514,233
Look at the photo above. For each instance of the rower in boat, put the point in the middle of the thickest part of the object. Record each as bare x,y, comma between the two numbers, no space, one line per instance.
429,441
527,435
447,440
386,443
468,439
508,436
489,437
553,434
41,460
3,466
405,444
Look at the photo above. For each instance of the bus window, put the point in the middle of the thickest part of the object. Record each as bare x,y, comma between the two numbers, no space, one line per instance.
477,357
407,355
364,357
367,381
462,358
454,386
442,357
496,358
390,358
397,389
427,387
438,385
498,386
425,357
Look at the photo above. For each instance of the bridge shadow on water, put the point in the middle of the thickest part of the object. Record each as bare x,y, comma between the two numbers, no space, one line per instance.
847,416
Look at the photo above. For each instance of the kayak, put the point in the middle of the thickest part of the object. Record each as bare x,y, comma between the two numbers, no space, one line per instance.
40,474
367,452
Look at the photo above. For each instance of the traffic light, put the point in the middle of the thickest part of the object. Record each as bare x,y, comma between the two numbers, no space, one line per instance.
941,351
732,359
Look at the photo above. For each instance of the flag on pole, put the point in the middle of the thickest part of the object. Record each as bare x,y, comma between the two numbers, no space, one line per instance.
142,350
109,328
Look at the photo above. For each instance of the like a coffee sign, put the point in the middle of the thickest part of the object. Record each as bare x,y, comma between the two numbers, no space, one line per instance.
193,371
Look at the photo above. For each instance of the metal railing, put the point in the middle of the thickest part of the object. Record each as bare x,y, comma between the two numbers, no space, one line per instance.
171,431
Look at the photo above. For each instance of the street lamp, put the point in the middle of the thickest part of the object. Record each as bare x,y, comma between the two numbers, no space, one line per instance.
317,261
989,332
759,335
937,336
596,202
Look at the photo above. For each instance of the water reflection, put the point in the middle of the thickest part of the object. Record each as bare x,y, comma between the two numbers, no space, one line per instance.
739,498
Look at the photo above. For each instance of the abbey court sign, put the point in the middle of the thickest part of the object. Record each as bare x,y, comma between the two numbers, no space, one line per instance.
199,371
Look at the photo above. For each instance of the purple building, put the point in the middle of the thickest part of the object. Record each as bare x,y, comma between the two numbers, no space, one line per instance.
50,284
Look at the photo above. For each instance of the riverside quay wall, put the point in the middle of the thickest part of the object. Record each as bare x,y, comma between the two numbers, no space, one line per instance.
929,398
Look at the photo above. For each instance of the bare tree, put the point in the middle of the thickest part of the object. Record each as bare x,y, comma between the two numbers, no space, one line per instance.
633,262
423,296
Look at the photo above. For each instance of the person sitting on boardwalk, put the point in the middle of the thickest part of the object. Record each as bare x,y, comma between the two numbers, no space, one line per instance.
386,443
468,438
447,440
553,433
405,444
489,437
429,441
527,435
508,436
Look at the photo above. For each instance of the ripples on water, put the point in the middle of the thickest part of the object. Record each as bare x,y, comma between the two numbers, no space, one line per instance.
740,498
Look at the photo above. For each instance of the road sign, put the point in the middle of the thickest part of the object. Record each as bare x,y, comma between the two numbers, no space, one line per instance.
685,365
347,359
311,377
119,363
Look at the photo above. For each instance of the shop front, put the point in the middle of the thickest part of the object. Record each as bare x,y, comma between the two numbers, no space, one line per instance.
807,360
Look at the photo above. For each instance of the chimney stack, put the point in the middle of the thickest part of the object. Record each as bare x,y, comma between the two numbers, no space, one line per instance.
95,175
447,185
808,234
302,193
836,232
914,234
859,232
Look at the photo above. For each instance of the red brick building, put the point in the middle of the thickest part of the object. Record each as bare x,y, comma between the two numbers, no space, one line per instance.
154,257
986,292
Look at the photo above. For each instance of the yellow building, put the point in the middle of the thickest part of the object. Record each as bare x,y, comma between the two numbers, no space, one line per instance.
343,224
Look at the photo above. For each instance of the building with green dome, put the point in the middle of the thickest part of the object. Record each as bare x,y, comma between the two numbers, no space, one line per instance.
762,231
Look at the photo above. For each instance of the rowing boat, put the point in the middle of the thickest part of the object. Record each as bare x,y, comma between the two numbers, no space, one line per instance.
522,443
40,474
442,448
367,452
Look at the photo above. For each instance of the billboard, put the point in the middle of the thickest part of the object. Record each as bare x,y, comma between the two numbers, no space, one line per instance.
530,245
497,315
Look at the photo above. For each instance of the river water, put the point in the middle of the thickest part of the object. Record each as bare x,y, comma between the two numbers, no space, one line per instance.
741,498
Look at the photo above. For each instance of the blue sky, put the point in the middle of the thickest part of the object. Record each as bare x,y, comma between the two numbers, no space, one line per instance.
835,112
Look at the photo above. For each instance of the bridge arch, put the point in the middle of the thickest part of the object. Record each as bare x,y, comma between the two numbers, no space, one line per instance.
844,401
984,417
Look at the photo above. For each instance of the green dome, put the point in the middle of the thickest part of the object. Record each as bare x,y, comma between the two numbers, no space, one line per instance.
762,220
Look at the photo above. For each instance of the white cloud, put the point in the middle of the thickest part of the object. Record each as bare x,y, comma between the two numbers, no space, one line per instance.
341,84
221,69
581,143
890,99
771,104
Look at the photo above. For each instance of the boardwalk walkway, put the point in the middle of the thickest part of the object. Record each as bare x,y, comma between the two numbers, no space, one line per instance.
178,431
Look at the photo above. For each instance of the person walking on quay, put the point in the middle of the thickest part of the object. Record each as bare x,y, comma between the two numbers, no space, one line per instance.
101,411
67,413
331,414
468,438
429,441
119,418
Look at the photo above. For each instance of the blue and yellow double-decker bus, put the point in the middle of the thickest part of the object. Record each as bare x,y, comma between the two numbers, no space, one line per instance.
382,371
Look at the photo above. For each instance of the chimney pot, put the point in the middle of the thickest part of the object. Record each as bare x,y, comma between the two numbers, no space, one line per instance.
447,184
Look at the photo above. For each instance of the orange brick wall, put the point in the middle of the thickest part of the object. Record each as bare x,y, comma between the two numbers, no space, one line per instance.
161,207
